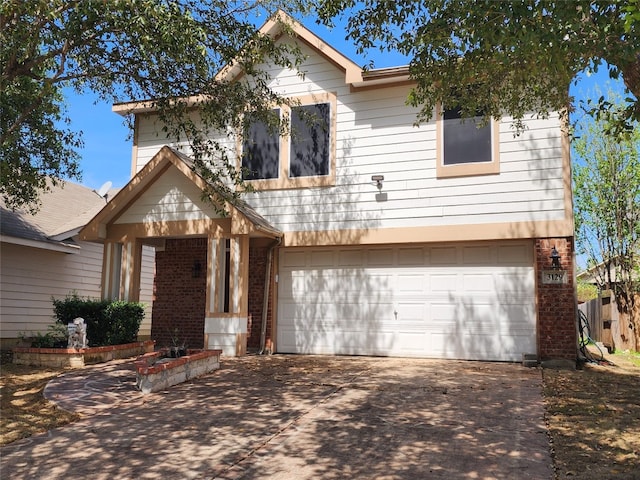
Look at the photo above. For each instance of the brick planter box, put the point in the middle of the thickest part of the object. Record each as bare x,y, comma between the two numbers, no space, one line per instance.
78,357
155,372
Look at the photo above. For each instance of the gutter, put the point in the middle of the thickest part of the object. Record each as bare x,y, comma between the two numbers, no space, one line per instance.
265,300
63,247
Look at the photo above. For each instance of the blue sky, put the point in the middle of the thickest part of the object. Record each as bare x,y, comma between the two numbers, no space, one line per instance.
106,155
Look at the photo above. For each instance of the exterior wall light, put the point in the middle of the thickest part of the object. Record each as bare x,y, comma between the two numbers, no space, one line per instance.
378,179
555,258
196,270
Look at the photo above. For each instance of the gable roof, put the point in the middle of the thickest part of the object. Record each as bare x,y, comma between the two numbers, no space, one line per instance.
64,211
274,27
166,158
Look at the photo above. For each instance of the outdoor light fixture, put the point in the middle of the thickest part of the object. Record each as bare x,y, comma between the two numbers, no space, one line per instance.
196,270
555,258
378,179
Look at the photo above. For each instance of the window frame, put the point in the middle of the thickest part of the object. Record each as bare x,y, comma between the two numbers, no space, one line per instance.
284,181
466,169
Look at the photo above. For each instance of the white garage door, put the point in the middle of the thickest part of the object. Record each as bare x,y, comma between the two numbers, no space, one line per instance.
469,301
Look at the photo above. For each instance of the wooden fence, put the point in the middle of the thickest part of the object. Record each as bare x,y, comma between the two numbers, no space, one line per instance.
606,324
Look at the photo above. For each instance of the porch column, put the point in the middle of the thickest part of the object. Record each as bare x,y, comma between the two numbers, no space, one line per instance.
240,265
131,261
226,324
111,270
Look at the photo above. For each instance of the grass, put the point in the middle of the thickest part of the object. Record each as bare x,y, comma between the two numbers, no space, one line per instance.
25,411
633,357
593,416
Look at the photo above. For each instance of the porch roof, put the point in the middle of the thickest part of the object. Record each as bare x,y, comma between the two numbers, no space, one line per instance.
244,218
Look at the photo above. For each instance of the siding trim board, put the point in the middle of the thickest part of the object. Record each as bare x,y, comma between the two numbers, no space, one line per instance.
443,233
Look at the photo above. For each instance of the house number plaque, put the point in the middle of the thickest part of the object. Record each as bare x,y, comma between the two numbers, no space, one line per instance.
554,277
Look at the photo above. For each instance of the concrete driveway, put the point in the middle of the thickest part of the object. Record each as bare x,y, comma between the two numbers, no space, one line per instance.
297,417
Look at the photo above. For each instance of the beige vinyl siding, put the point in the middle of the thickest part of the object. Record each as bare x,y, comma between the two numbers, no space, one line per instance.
149,142
32,276
172,197
376,136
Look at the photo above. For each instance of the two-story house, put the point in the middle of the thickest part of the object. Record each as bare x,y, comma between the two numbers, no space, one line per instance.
365,235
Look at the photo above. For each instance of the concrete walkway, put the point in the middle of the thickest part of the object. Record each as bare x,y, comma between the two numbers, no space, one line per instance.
297,417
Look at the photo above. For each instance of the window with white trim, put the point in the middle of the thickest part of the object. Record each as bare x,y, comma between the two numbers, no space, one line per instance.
305,156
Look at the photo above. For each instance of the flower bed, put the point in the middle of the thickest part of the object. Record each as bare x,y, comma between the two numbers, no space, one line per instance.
156,371
78,358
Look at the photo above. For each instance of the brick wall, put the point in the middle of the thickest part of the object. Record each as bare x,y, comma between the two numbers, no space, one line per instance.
180,297
556,303
257,272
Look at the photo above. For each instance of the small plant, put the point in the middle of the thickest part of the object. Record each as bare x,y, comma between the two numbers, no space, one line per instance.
178,347
56,337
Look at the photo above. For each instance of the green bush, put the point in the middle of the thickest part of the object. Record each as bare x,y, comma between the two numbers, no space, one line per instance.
108,322
56,337
125,319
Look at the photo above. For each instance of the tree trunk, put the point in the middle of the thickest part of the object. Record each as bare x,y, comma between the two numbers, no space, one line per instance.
631,77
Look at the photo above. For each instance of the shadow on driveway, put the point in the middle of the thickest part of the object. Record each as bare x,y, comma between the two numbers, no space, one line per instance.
298,417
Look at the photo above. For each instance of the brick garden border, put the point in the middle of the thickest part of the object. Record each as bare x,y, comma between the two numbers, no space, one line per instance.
153,376
78,357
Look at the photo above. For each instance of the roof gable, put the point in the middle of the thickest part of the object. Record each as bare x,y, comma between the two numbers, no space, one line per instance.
279,25
168,189
171,197
276,26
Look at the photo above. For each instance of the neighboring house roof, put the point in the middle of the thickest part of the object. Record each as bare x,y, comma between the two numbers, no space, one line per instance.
94,229
593,274
63,212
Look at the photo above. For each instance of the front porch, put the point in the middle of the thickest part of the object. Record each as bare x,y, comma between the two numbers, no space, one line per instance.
202,279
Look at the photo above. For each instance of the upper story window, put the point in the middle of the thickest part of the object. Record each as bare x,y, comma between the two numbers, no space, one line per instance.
261,151
304,157
465,149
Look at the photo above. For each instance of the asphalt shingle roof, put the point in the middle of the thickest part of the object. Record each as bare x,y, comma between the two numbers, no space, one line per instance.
64,209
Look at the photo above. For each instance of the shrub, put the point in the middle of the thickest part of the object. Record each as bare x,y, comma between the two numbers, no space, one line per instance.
108,322
125,319
56,337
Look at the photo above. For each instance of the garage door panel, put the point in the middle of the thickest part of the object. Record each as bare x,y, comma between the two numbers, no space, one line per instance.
409,313
444,282
427,301
350,257
321,258
411,256
443,255
380,257
294,259
304,310
409,284
479,282
514,254
483,255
